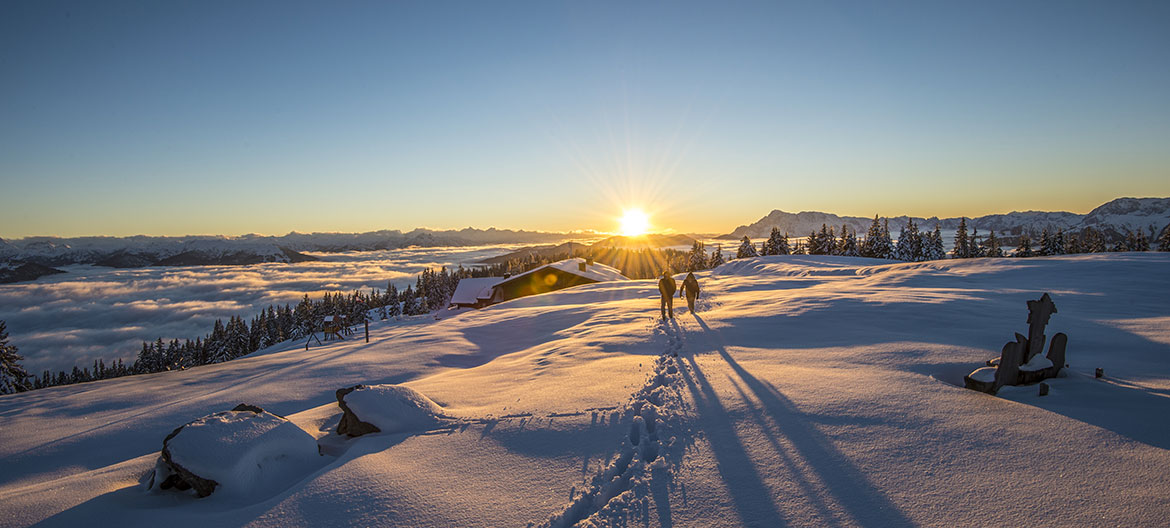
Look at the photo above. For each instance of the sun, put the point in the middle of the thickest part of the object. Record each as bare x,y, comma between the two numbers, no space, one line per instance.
634,222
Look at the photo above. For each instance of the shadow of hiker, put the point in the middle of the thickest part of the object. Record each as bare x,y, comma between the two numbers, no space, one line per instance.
753,501
865,504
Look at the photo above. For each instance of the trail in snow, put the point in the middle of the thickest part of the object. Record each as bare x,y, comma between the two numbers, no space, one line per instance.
642,471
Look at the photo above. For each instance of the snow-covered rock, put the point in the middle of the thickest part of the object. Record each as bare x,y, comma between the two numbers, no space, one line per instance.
386,409
232,449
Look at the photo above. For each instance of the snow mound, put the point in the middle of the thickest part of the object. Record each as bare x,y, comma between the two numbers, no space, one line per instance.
393,408
237,450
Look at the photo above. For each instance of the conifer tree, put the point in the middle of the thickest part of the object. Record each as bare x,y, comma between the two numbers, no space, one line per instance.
812,244
770,246
885,244
716,257
746,249
1140,242
847,244
869,245
991,246
1164,240
827,240
1045,244
1093,241
13,377
697,258
1072,244
974,244
1024,249
962,246
909,245
1056,243
393,302
932,245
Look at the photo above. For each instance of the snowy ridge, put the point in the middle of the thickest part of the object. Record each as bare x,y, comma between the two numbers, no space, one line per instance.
1113,218
140,250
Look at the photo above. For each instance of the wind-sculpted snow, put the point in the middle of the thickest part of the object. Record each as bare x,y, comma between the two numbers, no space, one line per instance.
93,312
807,391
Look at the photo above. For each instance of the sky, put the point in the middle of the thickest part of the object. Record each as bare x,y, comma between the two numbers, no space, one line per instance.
170,118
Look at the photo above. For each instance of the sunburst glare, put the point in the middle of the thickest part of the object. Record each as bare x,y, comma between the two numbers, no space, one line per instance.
634,222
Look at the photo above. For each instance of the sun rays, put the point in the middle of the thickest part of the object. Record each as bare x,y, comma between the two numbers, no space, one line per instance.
634,222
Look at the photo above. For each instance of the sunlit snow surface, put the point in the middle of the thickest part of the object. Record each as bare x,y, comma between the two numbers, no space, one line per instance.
807,391
96,312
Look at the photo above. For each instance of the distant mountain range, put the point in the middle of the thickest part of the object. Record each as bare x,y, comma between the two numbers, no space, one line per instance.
140,251
1113,219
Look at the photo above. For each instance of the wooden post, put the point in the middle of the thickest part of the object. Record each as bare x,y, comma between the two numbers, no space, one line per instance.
367,331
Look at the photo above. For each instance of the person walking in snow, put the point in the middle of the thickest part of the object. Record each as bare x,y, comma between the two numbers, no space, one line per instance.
690,287
666,287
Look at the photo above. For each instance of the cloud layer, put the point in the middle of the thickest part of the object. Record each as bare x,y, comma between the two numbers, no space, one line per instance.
91,312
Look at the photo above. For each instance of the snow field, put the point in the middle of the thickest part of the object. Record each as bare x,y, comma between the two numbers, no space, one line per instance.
807,391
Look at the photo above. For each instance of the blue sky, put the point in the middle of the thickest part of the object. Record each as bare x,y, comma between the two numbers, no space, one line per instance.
226,117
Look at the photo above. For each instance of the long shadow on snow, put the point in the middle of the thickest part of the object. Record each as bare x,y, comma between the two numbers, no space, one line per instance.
526,329
753,501
864,503
1128,410
984,320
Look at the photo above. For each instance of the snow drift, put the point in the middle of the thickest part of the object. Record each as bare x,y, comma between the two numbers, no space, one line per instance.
234,452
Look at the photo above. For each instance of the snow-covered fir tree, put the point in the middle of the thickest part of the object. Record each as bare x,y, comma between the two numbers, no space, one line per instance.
746,249
847,244
393,303
1092,241
974,244
991,246
1164,240
1072,244
716,257
13,377
1024,249
777,243
771,245
932,245
697,257
1055,243
909,245
962,246
1137,241
878,243
1046,244
867,248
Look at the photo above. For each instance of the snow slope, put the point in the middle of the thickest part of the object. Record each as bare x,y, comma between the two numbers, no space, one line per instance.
806,391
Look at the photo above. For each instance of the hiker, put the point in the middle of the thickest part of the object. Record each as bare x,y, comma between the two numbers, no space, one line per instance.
666,287
690,286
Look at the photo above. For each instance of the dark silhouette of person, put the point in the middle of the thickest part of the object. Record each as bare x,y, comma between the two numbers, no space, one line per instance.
666,287
690,287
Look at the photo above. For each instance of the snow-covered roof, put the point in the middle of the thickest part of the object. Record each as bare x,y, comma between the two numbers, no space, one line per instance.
472,289
595,271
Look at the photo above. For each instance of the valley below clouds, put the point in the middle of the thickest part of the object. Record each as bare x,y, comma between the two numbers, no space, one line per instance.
94,312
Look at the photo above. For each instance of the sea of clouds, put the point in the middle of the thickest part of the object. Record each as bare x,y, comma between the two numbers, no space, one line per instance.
94,312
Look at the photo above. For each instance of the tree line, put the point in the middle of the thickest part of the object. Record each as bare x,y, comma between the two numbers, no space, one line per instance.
915,245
